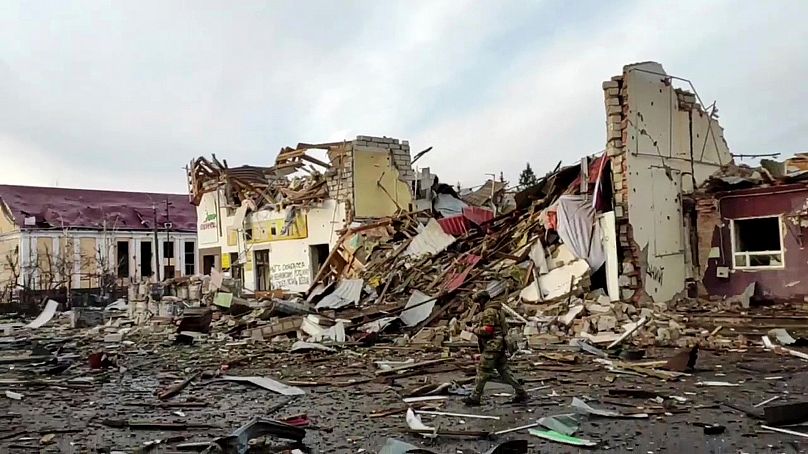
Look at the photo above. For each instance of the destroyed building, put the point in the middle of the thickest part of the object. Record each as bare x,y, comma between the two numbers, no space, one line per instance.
273,227
60,241
751,231
663,143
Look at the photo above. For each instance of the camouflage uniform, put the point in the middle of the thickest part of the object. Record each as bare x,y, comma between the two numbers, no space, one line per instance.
491,332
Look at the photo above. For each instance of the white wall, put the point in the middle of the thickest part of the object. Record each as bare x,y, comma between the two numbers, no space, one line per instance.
108,243
659,172
290,260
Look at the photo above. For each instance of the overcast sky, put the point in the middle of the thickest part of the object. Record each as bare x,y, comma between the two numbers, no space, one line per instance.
121,95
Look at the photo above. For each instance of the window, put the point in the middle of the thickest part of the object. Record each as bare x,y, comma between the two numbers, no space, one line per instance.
168,259
190,258
146,259
757,243
123,259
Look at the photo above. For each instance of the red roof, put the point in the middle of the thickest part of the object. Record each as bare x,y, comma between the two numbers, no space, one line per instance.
89,209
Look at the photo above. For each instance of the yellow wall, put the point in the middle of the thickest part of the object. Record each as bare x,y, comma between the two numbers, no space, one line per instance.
270,230
373,169
9,260
7,224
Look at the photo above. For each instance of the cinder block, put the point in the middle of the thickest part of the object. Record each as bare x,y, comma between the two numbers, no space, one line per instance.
610,84
612,102
613,92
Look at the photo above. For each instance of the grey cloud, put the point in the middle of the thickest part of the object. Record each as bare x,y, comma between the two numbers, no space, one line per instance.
121,95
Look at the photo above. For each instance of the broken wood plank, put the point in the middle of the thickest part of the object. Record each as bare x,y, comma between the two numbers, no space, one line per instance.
396,370
176,389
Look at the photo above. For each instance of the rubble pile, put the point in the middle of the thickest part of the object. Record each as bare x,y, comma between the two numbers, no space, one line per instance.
379,270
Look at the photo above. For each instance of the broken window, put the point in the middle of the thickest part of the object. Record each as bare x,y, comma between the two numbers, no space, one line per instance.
146,259
168,259
262,270
123,259
757,243
190,258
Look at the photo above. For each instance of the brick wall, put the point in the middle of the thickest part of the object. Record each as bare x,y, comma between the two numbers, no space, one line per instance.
340,178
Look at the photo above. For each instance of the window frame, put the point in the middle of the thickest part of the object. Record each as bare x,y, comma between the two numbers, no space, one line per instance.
748,254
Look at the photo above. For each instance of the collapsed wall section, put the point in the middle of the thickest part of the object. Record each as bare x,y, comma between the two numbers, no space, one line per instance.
663,144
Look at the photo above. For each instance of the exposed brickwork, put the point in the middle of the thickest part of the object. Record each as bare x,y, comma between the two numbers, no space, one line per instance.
340,178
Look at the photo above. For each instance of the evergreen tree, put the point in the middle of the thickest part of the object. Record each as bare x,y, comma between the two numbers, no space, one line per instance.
527,178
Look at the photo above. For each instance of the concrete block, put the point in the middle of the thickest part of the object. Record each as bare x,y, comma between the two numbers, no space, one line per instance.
612,110
615,92
612,102
618,211
610,84
364,138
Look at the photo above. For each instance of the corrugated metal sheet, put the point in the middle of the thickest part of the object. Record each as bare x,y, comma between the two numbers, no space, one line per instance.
348,291
459,225
454,225
478,215
431,240
420,312
456,279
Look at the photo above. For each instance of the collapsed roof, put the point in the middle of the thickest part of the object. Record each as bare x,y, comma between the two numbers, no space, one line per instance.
61,208
769,173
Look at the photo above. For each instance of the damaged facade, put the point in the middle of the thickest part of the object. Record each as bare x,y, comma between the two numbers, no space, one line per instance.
61,240
751,232
663,144
273,229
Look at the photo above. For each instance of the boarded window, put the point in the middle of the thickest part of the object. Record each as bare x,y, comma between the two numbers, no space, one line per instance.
757,243
88,262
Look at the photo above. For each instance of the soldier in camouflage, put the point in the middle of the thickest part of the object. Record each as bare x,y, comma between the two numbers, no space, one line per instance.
491,333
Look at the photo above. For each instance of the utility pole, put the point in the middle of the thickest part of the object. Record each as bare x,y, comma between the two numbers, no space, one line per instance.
168,240
156,249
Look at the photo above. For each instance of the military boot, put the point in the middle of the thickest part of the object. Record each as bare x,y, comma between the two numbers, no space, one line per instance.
520,397
471,401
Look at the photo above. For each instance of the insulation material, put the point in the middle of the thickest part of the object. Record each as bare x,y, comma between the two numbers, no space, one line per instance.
556,283
536,254
45,316
578,229
415,424
608,229
431,240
